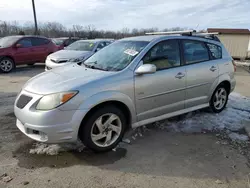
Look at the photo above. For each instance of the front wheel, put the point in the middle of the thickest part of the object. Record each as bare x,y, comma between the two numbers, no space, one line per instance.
219,99
104,129
6,65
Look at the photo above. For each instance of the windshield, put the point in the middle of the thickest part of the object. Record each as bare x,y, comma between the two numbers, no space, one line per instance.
116,56
81,46
8,41
58,41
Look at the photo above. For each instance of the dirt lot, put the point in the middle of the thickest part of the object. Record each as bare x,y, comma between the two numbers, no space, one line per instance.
158,156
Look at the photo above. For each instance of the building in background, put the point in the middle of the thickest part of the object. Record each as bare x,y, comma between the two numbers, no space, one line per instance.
236,41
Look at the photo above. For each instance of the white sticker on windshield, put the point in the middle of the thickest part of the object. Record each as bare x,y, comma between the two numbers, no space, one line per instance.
131,52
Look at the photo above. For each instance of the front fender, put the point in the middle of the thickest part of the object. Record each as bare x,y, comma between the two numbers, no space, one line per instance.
107,96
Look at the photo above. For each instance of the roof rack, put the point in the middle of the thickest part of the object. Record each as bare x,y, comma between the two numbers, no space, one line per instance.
189,33
171,32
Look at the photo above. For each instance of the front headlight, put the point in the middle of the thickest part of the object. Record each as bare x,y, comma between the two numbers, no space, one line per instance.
76,59
51,101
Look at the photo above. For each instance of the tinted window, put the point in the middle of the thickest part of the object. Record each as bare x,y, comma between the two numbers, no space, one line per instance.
39,41
26,42
195,51
215,50
164,55
101,45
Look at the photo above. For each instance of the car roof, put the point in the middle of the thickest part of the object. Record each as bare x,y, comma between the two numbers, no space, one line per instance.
144,38
149,38
95,40
24,36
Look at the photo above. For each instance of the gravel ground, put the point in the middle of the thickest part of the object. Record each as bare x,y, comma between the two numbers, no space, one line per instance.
150,157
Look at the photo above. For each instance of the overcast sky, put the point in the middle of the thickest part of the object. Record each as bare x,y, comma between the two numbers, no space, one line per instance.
117,14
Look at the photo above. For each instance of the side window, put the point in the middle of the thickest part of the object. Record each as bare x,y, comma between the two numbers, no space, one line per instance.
108,43
164,55
195,51
39,41
26,42
101,45
69,41
215,50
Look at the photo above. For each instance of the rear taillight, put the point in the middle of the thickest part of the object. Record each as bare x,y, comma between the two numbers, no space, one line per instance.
234,65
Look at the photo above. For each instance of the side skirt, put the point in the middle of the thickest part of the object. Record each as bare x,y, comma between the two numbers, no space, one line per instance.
172,114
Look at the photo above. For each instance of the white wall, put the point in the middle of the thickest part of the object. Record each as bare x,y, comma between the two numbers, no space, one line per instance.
236,44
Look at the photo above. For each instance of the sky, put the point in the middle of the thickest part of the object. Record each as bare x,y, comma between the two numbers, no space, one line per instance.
118,14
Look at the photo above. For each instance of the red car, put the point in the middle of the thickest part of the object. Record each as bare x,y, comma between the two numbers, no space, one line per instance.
18,50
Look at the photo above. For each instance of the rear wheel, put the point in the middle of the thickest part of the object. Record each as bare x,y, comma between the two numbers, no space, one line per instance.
6,65
103,130
219,99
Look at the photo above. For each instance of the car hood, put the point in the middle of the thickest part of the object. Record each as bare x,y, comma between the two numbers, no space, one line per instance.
68,54
66,78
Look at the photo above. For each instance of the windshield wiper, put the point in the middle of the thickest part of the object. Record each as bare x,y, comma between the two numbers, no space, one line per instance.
93,67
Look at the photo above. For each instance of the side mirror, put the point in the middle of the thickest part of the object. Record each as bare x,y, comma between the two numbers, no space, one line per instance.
146,69
18,45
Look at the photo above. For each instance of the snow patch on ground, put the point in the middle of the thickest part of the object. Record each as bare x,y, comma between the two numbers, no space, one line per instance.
242,63
238,137
55,149
233,118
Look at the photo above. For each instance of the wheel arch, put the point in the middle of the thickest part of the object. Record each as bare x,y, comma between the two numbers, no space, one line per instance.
115,103
8,56
117,99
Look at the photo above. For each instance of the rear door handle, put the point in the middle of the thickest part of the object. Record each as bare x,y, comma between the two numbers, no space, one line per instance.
180,75
213,68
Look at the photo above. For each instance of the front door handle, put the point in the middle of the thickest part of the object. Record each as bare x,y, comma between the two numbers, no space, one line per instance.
213,68
180,75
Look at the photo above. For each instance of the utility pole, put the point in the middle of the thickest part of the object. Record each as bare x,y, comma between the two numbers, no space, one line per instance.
34,12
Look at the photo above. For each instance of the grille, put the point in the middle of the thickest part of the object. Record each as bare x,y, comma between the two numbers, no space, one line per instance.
62,61
23,101
59,61
53,60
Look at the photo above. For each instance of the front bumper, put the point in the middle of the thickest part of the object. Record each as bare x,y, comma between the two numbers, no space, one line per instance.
53,126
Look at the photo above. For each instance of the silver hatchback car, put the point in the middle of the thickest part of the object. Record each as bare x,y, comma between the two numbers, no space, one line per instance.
130,83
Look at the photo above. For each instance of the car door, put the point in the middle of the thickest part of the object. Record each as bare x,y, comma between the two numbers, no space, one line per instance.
202,72
39,49
163,91
23,51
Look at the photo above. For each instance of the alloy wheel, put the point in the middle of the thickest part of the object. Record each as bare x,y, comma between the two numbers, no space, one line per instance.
220,98
106,130
6,65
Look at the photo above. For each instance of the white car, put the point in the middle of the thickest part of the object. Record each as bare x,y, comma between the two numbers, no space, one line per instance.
76,52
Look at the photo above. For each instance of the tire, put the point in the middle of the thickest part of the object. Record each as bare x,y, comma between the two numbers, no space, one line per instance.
6,65
30,64
89,130
219,99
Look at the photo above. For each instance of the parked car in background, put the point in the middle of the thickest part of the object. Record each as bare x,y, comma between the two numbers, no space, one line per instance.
64,41
130,83
76,52
18,50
